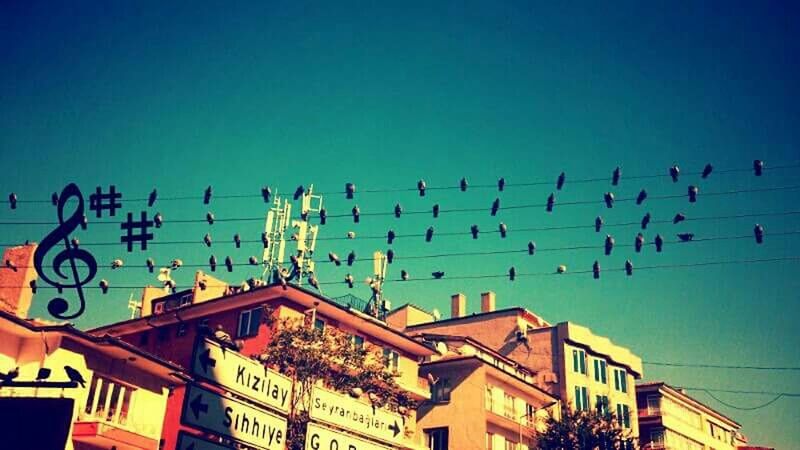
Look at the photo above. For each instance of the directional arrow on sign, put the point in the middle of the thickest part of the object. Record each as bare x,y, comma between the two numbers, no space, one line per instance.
198,406
206,360
395,428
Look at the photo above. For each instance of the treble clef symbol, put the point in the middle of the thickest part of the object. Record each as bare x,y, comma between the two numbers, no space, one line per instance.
59,306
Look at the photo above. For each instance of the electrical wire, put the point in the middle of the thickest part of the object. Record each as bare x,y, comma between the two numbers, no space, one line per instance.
716,366
744,408
737,391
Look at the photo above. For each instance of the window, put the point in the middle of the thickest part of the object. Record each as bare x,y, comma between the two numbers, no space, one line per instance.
319,324
653,405
440,392
508,406
357,341
530,415
489,399
511,445
600,370
623,415
581,398
621,380
579,361
489,439
437,438
657,439
248,322
391,359
601,403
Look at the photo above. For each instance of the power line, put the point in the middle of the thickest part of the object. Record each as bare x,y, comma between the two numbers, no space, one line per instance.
442,211
716,366
744,408
736,391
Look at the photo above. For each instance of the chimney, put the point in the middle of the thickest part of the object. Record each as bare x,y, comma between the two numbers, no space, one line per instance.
458,305
488,300
15,291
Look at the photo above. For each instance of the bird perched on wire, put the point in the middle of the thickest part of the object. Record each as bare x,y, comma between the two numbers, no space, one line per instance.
551,200
151,199
237,240
512,273
229,263
103,286
349,280
75,242
628,267
609,199
596,269
312,281
349,190
641,197
323,216
598,224
223,338
438,274
212,263
421,186
351,235
266,193
609,244
390,235
707,171
158,220
253,261
75,376
207,240
561,269
679,217
356,214
54,199
207,196
615,176
531,247
436,210
33,286
463,184
501,184
638,242
390,256
176,263
351,258
686,237
645,221
404,275
560,181
758,232
674,172
265,239
116,264
210,218
495,206
9,376
429,234
299,192
758,167
503,230
43,374
334,258
13,266
398,210
659,241
692,191
474,230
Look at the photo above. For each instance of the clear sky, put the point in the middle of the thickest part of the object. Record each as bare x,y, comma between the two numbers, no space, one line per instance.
237,96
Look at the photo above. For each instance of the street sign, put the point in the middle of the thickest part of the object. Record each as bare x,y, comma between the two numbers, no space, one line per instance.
232,418
188,442
321,438
349,413
241,375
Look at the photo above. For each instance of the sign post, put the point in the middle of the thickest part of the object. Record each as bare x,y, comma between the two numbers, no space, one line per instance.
321,438
214,413
188,442
351,414
241,375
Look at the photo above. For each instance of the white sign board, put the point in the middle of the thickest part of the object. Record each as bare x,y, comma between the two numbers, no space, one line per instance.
232,418
242,375
321,438
188,442
351,414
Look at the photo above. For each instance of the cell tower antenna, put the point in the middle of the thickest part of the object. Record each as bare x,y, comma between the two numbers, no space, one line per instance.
376,303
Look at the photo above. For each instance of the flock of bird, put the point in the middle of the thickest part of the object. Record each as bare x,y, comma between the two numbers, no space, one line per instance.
43,374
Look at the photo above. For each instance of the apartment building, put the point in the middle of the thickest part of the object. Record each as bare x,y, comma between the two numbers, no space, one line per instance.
568,361
671,419
479,398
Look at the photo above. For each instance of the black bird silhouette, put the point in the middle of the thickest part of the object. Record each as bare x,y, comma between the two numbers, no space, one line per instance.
54,199
678,218
323,216
474,230
9,376
312,281
229,263
11,265
609,198
207,196
596,269
43,374
349,280
103,286
389,256
659,241
707,170
210,218
75,376
299,192
12,200
75,242
531,247
404,275
758,167
609,245
638,242
435,210
758,232
398,210
463,184
264,239
237,240
642,196
512,273
421,187
628,267
356,214
351,258
551,200
598,224
686,237
429,234
495,206
615,176
560,182
151,199
334,258
390,237
645,221
501,184
207,240
33,286
158,220
674,172
212,262
503,230
438,275
693,190
266,193
349,190
253,261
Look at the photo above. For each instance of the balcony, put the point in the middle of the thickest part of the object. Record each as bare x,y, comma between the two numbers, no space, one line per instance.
108,435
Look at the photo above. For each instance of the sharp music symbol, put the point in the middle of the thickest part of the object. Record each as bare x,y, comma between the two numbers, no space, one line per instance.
97,201
143,235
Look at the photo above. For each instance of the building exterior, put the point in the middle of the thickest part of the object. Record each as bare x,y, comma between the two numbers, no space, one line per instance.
671,419
479,398
171,325
568,361
78,391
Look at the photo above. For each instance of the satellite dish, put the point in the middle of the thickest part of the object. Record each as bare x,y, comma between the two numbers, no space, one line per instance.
436,314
